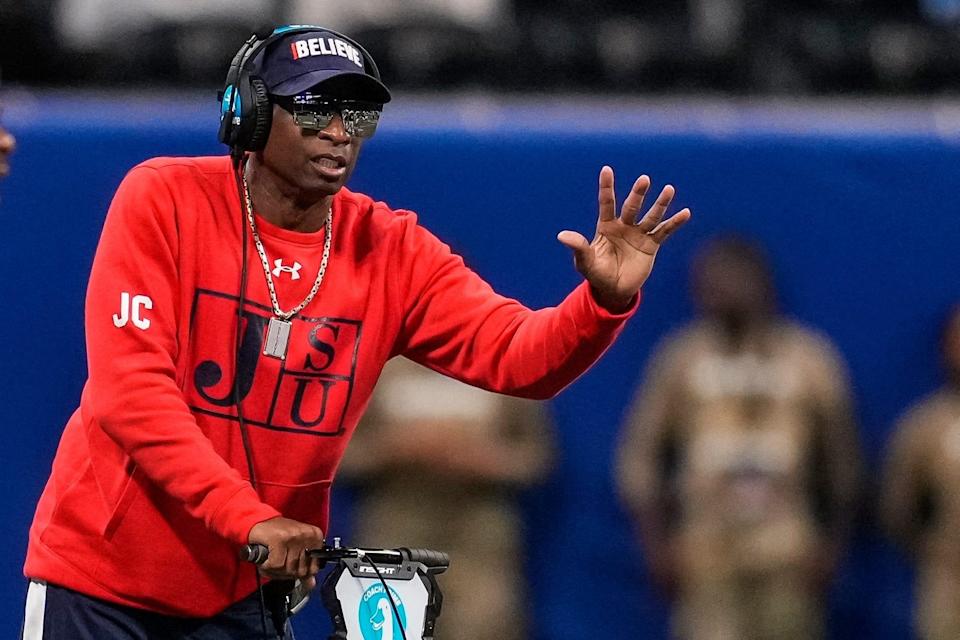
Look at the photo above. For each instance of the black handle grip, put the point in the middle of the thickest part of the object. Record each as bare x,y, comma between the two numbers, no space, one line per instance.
255,553
427,557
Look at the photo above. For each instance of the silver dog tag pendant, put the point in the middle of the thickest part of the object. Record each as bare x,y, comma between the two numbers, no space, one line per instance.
278,335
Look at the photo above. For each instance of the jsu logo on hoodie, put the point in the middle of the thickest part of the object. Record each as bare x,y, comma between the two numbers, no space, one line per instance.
307,393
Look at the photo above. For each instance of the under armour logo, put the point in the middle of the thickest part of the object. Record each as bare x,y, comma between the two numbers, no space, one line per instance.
294,271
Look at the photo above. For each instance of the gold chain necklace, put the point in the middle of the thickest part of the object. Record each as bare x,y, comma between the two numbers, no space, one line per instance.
278,329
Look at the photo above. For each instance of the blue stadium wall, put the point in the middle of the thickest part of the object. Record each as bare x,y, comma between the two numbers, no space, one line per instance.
859,207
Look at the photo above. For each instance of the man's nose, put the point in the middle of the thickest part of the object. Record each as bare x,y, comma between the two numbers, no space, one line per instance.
335,130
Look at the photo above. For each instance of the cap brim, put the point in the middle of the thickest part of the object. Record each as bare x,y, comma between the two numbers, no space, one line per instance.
357,86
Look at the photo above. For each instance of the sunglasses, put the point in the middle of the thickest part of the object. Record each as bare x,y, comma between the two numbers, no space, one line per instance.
315,113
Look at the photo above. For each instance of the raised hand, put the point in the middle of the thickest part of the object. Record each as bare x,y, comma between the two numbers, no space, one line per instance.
620,258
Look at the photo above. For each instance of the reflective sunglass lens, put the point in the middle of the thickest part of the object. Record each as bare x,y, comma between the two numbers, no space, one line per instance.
361,122
313,120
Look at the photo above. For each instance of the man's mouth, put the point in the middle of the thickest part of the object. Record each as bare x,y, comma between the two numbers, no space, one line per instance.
330,166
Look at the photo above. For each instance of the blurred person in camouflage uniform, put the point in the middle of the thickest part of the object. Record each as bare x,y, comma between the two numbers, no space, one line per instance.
921,497
739,461
438,464
7,144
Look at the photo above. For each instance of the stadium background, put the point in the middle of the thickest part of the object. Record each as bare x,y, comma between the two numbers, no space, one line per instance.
854,193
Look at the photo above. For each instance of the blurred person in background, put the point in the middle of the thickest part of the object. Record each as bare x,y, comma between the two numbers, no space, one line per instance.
7,144
921,495
739,462
439,464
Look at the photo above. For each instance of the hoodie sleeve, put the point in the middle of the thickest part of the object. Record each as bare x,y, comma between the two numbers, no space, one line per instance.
132,309
455,323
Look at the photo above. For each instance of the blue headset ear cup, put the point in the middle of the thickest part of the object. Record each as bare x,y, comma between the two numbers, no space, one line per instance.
262,115
224,133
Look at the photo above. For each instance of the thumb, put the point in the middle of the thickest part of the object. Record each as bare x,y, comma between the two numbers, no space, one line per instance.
574,240
581,248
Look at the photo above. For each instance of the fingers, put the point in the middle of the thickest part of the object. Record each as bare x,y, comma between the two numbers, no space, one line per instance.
607,201
295,564
289,541
663,230
276,563
606,197
652,224
655,214
298,564
631,206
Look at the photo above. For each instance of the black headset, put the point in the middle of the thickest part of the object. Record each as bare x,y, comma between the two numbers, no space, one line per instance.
245,108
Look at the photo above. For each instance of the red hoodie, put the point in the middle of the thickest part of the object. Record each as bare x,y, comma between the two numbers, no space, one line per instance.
148,500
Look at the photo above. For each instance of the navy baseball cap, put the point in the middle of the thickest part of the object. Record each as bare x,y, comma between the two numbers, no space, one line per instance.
302,60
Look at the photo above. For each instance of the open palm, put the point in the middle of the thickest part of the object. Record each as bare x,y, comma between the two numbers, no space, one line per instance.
620,258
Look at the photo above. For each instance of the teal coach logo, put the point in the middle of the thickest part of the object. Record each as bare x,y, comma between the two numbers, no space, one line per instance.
377,620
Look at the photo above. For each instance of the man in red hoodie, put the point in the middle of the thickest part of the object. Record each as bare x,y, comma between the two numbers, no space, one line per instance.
238,315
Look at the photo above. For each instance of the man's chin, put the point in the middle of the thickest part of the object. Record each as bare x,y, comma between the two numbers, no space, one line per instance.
322,188
326,184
